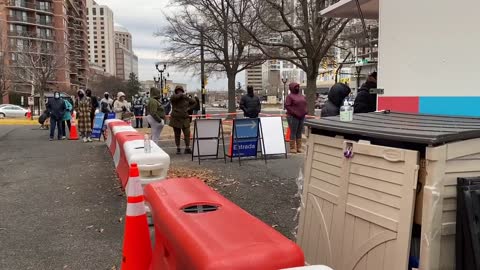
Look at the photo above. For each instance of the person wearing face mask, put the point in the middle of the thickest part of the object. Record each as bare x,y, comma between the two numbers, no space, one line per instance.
83,106
106,104
56,107
296,106
156,118
121,107
250,104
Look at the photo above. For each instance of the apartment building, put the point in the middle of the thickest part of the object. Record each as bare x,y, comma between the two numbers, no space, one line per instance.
101,36
52,28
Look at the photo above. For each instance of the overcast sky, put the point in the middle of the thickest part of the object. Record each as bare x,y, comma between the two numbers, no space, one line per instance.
142,18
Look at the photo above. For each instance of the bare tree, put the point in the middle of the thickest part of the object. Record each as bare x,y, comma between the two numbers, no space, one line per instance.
37,63
296,32
226,43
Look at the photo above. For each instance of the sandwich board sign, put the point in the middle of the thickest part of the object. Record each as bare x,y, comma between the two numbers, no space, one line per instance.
207,134
245,136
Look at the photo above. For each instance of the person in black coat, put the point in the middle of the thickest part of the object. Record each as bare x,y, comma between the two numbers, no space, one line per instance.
336,96
95,105
366,102
56,108
250,104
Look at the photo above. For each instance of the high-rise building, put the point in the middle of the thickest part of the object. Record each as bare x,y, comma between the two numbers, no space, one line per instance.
254,78
125,58
101,36
50,28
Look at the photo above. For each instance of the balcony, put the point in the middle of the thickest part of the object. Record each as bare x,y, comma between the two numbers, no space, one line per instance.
21,19
21,5
30,34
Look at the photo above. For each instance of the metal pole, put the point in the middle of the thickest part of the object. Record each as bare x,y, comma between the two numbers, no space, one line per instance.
161,84
202,66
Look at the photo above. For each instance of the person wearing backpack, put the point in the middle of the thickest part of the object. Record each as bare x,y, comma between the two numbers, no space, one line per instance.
138,109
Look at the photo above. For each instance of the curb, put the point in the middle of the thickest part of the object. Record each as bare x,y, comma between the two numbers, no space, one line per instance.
18,122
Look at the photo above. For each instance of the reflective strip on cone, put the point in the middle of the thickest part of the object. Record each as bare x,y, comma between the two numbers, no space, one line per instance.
134,187
136,209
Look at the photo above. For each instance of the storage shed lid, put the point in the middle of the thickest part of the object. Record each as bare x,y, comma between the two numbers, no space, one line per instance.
403,127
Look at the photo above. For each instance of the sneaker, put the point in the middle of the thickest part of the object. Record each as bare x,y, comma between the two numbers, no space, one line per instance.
51,139
64,138
89,139
85,139
179,151
188,151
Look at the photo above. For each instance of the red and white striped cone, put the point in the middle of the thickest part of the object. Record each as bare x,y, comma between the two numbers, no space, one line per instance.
137,247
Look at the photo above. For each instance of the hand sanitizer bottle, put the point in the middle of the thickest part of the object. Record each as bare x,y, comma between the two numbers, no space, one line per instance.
346,112
146,144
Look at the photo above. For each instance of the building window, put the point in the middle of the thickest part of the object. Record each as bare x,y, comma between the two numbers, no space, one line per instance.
102,28
101,18
94,11
101,11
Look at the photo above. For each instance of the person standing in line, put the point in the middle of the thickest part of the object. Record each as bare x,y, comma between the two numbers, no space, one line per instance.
366,102
296,106
250,104
336,95
94,102
83,107
67,117
121,107
56,108
196,108
167,106
106,104
138,109
156,118
180,119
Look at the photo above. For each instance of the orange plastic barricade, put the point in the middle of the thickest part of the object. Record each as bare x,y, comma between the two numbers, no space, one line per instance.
197,228
120,159
109,133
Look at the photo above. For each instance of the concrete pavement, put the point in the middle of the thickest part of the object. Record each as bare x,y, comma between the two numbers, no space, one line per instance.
60,206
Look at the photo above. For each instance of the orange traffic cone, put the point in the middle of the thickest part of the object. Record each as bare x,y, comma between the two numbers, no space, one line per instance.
287,135
137,247
73,130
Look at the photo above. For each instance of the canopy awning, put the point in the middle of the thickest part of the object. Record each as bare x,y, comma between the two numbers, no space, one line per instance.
348,9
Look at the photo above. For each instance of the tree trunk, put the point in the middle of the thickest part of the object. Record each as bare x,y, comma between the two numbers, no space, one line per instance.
310,93
41,91
231,93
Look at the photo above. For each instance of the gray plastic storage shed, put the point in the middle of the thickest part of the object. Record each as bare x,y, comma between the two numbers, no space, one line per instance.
357,212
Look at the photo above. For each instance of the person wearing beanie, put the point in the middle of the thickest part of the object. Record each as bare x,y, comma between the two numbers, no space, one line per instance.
180,119
336,95
56,107
250,104
296,106
366,102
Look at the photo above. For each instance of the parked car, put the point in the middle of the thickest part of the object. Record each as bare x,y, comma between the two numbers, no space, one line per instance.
12,111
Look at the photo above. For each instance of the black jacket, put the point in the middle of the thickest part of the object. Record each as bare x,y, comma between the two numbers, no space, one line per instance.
365,102
250,105
56,107
336,95
197,104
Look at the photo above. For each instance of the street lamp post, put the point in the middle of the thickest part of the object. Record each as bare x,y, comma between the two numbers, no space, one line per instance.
284,81
161,76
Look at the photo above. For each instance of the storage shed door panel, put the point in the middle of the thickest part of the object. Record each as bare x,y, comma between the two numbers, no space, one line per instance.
379,204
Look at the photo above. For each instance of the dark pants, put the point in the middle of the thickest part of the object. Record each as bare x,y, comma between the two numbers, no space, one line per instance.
55,123
64,130
178,134
138,121
92,118
296,127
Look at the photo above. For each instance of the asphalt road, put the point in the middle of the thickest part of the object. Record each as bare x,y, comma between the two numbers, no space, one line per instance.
60,204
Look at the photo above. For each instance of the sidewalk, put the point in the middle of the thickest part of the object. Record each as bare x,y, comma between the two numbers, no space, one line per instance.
61,207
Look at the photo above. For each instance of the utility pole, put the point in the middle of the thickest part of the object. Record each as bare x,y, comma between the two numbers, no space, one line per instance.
202,67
